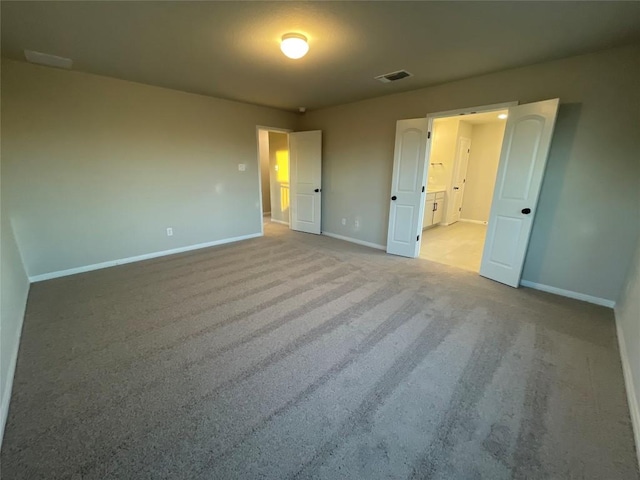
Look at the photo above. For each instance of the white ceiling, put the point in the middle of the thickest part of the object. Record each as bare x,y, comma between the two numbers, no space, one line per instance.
231,49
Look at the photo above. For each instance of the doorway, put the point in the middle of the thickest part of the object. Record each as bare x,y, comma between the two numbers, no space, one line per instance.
273,153
523,157
464,158
290,178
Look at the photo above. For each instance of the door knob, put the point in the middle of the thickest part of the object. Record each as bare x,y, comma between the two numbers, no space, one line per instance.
394,198
526,211
317,190
456,188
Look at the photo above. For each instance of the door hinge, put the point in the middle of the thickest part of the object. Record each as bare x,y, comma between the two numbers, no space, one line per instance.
460,209
428,135
423,189
418,238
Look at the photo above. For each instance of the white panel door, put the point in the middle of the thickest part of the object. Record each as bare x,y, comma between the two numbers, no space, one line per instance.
305,159
460,177
407,189
525,148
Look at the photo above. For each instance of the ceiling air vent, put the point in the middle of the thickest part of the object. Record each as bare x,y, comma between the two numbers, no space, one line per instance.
393,76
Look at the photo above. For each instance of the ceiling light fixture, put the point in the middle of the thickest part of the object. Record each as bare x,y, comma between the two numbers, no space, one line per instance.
502,116
294,45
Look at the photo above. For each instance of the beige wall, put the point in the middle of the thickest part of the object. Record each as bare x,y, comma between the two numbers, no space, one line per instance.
443,152
628,321
486,143
464,131
279,173
14,287
98,168
263,149
590,194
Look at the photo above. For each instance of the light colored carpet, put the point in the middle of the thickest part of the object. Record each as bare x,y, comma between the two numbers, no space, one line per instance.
297,356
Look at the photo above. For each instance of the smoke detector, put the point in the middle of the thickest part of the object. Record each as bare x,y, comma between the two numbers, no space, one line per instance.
47,59
393,76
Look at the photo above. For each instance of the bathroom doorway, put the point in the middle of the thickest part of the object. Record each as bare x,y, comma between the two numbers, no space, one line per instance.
464,158
523,158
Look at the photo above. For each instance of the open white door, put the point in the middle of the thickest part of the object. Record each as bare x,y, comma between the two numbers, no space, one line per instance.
305,160
407,189
459,178
525,148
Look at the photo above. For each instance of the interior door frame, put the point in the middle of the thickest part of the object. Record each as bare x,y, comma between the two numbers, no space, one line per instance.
431,117
456,171
269,129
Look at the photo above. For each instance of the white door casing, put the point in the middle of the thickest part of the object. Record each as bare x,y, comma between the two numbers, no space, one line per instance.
523,158
459,178
305,160
406,207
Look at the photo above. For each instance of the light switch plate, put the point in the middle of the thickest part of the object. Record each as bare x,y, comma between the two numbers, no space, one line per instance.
242,167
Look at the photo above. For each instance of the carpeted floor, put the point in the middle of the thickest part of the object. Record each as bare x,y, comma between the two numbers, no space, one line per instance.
297,356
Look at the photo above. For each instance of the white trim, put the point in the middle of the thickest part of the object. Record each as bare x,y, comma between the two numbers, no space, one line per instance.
355,240
280,221
266,214
478,222
472,110
568,293
274,129
634,406
8,386
138,258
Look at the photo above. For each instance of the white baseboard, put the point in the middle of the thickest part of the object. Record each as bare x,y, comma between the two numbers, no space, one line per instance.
477,222
266,214
634,406
137,258
355,240
280,221
568,293
8,386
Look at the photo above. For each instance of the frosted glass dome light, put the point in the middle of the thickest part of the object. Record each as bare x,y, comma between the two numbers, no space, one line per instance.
294,45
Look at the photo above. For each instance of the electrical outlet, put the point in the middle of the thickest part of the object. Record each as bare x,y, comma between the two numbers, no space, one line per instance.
242,167
344,221
169,232
356,224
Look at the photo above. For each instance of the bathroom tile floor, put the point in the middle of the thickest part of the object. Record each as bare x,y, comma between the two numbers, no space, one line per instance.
458,245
